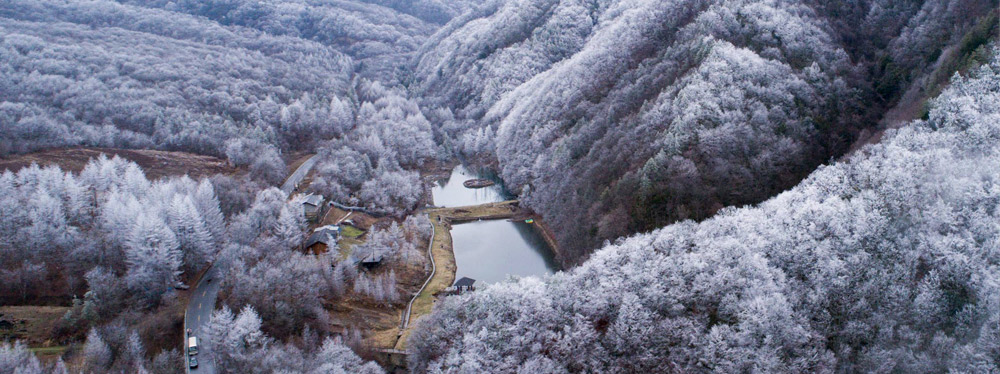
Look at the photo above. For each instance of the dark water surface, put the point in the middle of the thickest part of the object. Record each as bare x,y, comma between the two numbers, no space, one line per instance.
489,251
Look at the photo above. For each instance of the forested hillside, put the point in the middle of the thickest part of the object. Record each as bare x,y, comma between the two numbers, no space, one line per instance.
615,117
378,37
779,185
99,73
118,244
244,80
883,262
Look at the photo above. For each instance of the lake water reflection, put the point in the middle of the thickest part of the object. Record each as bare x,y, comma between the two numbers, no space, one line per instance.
451,193
489,251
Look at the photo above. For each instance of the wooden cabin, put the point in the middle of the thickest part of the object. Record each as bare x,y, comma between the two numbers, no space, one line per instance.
312,207
371,261
465,284
322,239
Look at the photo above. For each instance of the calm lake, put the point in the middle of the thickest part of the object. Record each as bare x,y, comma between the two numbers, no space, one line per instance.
489,251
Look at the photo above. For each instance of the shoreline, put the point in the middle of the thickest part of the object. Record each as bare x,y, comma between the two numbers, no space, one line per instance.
545,231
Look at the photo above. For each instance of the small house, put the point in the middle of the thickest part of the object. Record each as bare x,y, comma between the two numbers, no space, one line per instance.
333,230
322,239
465,284
371,260
312,207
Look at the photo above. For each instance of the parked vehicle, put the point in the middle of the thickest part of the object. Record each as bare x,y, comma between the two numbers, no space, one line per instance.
193,363
192,346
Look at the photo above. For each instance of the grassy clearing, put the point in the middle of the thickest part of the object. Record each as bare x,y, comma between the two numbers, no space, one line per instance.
156,164
350,232
344,246
381,323
46,353
349,237
32,324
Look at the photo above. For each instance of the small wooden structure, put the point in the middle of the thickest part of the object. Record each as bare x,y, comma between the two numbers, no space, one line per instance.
322,239
312,207
465,284
372,260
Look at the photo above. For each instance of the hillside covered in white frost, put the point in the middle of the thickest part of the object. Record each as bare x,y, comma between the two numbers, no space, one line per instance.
725,186
884,262
635,114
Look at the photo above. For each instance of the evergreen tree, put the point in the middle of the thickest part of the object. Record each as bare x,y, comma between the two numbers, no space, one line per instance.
153,257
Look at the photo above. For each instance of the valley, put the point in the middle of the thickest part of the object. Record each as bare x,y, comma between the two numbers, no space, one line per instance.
502,186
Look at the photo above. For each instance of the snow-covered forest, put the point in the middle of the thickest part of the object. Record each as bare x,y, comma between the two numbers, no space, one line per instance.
883,262
718,103
733,185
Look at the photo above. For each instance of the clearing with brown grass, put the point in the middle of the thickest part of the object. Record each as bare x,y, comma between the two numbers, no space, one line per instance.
156,164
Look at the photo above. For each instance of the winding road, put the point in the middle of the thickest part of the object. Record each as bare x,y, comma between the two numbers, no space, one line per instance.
295,177
202,302
199,310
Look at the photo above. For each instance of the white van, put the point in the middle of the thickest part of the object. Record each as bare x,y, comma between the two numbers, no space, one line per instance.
192,346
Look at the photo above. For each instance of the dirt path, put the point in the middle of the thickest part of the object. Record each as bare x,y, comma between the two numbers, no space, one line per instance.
444,275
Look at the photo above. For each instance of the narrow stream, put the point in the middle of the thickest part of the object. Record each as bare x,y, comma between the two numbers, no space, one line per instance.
489,251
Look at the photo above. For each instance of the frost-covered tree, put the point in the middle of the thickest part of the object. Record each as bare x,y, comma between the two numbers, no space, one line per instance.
96,352
193,236
884,261
635,114
208,206
181,90
290,227
239,346
16,358
392,191
153,257
87,233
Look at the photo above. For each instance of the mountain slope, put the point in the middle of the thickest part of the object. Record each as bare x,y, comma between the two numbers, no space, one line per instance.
617,117
884,262
101,73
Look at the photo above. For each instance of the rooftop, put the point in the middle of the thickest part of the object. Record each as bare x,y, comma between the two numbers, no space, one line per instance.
328,229
465,282
314,200
373,258
321,237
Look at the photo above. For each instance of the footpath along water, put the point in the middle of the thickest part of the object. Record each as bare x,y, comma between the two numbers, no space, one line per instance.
489,251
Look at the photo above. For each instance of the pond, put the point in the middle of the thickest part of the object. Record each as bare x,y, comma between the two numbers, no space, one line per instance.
449,192
489,251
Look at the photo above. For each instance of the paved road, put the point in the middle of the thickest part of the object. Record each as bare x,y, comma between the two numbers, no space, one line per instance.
299,173
202,302
199,310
